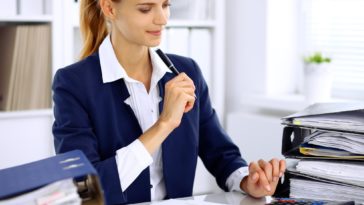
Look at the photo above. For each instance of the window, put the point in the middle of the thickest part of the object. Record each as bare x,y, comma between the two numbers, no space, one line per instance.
336,27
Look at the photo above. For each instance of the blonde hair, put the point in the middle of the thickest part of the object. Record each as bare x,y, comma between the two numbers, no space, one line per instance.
92,25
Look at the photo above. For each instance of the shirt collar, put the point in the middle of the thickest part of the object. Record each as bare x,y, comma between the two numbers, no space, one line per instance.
112,70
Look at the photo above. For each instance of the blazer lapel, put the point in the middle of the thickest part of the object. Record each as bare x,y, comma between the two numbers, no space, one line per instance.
168,144
129,125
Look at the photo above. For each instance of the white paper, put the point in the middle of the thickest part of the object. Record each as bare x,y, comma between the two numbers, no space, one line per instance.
184,202
351,143
309,189
60,192
346,172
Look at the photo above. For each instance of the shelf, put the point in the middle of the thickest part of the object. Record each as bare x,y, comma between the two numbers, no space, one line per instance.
191,24
284,103
26,114
178,24
27,19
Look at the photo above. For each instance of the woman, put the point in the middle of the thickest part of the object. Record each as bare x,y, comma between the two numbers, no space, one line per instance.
139,124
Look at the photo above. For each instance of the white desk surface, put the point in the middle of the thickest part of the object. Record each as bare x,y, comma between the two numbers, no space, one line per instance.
231,198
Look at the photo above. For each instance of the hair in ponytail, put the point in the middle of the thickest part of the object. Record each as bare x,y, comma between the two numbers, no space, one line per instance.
93,26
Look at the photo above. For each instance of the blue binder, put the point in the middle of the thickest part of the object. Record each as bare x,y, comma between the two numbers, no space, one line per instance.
74,164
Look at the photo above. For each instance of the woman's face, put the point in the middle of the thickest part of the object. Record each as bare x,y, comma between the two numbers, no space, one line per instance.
141,21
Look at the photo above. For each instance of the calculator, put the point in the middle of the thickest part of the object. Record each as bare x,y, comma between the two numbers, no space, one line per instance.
296,201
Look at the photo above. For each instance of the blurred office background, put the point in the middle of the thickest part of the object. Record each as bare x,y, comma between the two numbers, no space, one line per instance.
250,52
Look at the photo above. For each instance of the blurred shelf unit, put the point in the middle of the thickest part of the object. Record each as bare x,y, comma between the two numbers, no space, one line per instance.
26,114
31,48
26,19
25,8
29,54
195,29
284,103
191,24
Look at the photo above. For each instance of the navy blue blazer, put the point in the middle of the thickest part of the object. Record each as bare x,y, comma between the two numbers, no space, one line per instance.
91,116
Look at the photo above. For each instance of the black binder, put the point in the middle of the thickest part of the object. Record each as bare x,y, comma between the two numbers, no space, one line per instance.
294,134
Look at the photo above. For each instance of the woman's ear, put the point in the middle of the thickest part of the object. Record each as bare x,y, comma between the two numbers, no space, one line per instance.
108,9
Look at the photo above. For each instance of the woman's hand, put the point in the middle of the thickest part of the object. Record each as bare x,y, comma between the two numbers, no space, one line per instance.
263,177
178,99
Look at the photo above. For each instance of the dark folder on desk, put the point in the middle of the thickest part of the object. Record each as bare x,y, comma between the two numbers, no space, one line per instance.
323,135
74,164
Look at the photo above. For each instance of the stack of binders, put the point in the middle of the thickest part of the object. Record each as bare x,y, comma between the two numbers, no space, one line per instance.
324,148
67,178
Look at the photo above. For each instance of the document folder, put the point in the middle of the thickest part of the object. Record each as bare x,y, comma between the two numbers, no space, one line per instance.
74,164
347,117
338,121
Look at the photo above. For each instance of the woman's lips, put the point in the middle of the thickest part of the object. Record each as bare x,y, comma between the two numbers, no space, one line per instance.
155,33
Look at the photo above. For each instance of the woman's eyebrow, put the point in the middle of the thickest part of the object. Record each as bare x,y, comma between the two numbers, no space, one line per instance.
148,4
151,3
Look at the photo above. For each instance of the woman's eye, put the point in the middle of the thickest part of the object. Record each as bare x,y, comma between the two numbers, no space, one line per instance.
166,5
144,10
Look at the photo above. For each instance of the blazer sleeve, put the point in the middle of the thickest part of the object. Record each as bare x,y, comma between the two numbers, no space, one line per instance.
217,151
72,129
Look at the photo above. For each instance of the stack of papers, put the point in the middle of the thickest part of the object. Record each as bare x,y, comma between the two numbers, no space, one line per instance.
327,131
334,144
346,172
301,188
345,121
57,193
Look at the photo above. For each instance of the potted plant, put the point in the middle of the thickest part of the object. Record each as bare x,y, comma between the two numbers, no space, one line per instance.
317,78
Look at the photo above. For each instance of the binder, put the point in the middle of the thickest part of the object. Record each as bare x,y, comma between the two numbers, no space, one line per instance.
346,117
74,164
25,75
336,119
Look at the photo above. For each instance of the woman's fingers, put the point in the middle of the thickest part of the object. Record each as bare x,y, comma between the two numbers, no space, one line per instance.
190,102
275,169
178,99
267,168
282,167
262,179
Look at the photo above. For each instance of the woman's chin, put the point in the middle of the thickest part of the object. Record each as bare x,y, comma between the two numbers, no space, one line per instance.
153,43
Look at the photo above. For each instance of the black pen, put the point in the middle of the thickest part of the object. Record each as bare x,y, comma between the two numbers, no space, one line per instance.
168,62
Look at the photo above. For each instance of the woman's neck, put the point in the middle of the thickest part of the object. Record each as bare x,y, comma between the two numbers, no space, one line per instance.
135,60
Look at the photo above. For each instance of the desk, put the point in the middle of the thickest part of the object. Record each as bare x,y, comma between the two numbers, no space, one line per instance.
232,198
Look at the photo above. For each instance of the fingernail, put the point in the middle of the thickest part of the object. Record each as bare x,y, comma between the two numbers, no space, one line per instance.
267,188
280,174
255,177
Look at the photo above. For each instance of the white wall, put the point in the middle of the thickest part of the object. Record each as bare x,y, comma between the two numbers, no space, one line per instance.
257,136
245,49
261,48
18,148
261,54
281,48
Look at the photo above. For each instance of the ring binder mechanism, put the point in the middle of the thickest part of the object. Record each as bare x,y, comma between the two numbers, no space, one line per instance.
324,148
29,179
